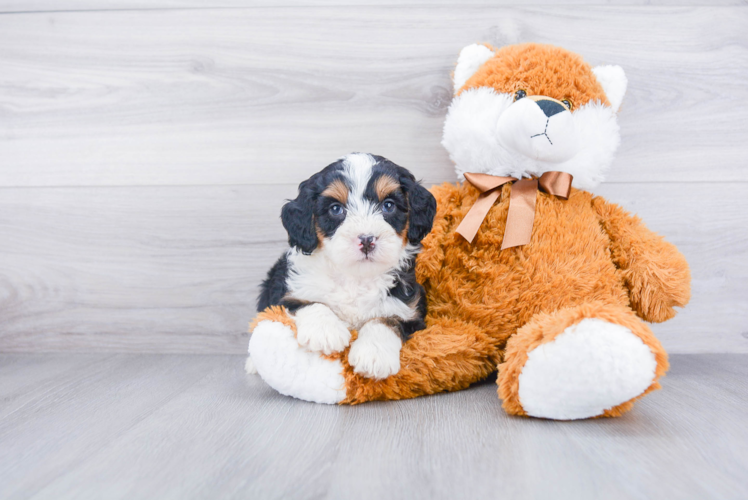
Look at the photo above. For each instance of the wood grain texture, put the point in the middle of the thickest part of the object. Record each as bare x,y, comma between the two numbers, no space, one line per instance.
143,269
97,5
176,269
193,427
144,155
266,95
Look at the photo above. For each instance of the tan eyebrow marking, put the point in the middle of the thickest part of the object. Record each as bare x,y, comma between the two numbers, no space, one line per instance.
384,186
337,190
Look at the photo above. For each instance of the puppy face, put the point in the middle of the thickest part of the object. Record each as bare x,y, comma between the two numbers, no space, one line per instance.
362,212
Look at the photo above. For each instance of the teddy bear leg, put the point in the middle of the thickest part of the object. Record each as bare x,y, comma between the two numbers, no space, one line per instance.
586,361
447,356
291,369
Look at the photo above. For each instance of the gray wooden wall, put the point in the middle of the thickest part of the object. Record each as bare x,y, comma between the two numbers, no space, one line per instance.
146,148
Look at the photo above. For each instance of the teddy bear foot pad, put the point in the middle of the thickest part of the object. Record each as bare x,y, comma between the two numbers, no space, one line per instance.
591,367
293,370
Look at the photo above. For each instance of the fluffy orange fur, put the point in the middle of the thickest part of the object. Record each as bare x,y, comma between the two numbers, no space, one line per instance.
277,314
539,70
654,271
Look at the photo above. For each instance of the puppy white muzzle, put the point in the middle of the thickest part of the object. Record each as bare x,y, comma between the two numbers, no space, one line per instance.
540,128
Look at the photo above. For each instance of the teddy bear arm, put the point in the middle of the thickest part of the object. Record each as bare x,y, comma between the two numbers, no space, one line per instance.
432,255
655,272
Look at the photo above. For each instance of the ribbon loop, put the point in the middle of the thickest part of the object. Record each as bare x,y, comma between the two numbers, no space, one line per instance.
521,214
556,183
487,182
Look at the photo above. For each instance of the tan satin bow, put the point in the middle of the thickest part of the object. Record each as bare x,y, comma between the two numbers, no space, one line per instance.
521,213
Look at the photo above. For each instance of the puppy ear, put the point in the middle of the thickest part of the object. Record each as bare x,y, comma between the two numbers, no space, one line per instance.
422,207
298,219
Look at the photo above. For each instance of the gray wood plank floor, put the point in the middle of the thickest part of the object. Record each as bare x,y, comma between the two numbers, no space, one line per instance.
190,426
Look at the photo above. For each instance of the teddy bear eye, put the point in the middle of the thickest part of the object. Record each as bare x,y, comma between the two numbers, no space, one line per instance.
568,104
519,95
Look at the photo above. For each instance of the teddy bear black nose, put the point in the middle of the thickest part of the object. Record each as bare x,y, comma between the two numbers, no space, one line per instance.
549,107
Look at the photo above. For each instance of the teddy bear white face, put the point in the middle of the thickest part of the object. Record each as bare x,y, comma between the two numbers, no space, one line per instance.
539,127
522,135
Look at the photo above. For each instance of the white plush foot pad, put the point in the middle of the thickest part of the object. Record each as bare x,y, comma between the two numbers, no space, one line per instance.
293,370
376,352
591,367
249,366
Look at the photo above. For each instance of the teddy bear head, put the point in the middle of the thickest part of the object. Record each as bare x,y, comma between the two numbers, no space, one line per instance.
527,109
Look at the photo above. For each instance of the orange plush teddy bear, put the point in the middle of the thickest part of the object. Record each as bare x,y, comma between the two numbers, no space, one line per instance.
524,271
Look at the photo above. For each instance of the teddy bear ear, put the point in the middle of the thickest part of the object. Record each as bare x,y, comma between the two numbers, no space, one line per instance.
471,58
614,83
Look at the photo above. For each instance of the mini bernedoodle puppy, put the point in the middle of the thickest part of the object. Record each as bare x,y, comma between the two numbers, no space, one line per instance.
354,230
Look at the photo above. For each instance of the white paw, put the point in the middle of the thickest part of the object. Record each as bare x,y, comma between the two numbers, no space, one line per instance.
292,370
591,367
320,330
376,352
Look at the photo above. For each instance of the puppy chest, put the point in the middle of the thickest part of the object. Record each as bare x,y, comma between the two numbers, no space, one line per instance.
355,305
353,300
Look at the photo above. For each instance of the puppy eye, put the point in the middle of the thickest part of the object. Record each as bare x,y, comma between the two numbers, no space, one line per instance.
388,206
336,209
520,94
568,104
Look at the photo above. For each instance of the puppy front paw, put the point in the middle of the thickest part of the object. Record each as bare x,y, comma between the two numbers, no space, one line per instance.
320,330
376,352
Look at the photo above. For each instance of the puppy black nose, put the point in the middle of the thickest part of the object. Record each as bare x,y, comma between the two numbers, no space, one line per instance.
549,107
366,243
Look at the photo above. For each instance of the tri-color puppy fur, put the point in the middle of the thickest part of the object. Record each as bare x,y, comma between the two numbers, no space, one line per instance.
354,230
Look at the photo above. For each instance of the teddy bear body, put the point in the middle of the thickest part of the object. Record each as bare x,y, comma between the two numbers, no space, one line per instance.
579,261
501,290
